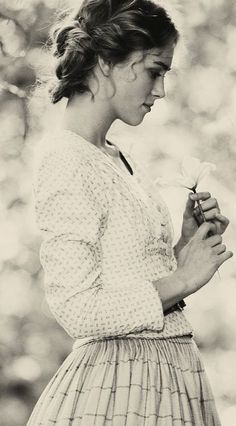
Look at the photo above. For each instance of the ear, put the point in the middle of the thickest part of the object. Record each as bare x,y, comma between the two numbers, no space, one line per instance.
135,59
105,66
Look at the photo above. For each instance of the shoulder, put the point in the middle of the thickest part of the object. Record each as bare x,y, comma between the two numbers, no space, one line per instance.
64,156
64,166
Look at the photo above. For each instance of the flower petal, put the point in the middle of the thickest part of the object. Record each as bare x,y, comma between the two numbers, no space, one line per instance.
189,168
192,171
205,170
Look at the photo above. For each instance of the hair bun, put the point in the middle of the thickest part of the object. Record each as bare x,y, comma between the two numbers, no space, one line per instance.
60,40
72,30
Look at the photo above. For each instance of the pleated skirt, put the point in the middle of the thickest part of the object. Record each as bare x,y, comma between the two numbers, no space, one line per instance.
129,382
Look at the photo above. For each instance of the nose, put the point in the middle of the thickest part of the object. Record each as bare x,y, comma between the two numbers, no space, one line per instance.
158,90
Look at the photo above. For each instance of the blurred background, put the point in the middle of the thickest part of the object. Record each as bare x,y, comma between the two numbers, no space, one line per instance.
196,118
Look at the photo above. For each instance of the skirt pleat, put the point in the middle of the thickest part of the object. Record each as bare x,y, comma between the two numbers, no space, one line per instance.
129,382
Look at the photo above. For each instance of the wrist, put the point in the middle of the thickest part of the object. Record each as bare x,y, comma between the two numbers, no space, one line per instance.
184,240
185,282
172,289
179,246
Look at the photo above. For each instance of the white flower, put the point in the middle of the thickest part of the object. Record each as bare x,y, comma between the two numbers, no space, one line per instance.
192,170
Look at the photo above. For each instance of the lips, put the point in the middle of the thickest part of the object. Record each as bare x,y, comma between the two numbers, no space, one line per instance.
148,107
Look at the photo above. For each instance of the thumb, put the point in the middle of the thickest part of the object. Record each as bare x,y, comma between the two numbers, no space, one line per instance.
203,230
188,212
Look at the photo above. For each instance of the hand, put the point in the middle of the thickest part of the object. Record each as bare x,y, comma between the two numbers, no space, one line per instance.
200,258
192,216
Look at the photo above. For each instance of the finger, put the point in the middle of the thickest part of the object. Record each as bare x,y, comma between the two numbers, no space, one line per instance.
198,219
203,230
214,225
219,249
189,205
214,240
222,219
213,231
224,256
200,196
209,204
209,215
198,214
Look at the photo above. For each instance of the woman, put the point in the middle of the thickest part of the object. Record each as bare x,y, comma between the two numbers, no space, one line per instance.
112,278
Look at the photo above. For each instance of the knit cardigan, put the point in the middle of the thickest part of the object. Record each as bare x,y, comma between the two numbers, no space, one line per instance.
106,236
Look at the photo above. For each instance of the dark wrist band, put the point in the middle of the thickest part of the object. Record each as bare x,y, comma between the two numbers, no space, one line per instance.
177,307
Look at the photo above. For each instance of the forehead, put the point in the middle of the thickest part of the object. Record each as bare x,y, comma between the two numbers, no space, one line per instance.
163,56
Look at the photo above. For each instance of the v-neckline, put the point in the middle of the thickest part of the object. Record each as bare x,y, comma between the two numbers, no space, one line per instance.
124,162
103,155
131,180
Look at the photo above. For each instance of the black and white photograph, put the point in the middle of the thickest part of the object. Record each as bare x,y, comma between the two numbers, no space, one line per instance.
117,213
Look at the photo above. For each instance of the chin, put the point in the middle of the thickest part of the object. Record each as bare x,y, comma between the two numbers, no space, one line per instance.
132,121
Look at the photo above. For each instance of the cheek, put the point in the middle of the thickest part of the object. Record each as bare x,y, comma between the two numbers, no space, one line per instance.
137,91
132,89
143,86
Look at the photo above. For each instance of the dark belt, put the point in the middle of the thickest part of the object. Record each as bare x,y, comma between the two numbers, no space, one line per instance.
177,307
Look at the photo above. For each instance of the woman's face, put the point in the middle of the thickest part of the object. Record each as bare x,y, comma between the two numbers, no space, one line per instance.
139,82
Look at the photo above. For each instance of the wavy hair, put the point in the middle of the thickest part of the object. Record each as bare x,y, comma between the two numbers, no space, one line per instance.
110,29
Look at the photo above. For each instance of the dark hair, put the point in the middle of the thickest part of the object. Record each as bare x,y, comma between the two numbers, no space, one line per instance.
111,29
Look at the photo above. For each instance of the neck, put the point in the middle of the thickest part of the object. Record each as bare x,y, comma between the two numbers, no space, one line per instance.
89,118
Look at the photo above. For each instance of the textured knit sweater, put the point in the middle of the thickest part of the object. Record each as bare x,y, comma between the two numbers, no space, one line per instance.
107,235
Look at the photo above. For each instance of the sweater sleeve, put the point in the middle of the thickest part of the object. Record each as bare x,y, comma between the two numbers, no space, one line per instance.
72,201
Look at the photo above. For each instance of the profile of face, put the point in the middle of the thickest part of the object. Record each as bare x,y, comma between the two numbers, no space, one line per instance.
138,83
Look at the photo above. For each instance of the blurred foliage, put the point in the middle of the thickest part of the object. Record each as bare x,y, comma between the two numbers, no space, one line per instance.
196,118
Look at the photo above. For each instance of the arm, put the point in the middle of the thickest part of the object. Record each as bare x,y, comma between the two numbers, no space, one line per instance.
72,206
197,259
197,263
178,247
171,289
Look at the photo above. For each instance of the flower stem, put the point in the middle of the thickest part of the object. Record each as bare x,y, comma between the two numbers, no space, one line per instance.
199,206
204,220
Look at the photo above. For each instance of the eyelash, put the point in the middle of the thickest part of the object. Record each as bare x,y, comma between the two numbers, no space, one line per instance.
155,74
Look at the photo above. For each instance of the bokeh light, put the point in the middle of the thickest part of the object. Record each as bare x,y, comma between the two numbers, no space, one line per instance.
196,118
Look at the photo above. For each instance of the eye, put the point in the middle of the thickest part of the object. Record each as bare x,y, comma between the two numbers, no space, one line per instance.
155,74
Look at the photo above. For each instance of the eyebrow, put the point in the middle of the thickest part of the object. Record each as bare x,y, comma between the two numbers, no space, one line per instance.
164,66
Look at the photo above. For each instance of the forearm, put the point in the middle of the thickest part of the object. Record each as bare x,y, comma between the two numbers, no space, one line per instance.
172,289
